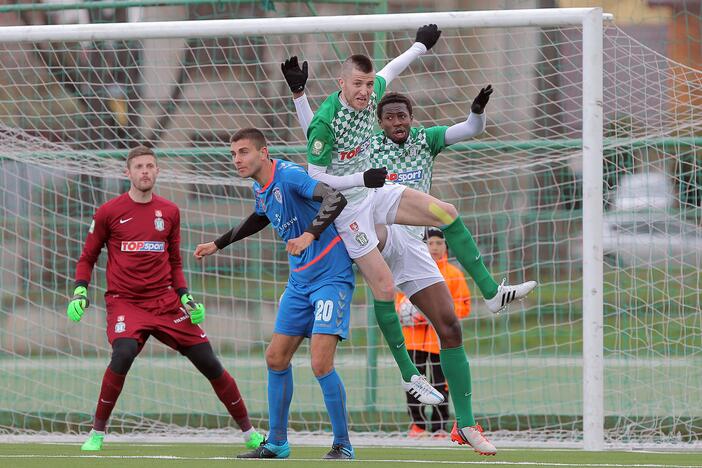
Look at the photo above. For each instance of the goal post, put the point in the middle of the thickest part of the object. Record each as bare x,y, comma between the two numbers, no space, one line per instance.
579,110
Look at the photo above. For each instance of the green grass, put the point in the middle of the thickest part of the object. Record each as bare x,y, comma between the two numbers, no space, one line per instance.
196,455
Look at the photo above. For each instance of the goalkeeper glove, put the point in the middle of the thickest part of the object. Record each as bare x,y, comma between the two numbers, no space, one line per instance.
375,177
78,304
196,311
428,35
481,100
294,75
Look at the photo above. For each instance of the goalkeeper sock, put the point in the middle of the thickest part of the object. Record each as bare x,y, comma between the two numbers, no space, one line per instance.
228,392
280,391
335,400
112,384
389,324
455,365
462,245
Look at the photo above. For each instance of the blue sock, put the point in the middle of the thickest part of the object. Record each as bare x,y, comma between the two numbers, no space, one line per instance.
280,391
335,400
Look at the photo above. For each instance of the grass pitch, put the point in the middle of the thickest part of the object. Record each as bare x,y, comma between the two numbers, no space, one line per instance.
215,455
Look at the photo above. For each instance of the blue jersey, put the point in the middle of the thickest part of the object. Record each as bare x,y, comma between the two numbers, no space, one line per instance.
286,200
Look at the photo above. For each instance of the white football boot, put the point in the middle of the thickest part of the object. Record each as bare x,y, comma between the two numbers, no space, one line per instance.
421,389
473,436
507,294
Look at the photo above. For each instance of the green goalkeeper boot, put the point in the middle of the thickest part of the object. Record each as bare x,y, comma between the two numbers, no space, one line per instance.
94,442
254,440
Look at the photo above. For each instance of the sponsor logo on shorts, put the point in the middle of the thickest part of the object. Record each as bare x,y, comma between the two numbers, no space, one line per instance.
354,226
143,246
182,318
408,176
120,327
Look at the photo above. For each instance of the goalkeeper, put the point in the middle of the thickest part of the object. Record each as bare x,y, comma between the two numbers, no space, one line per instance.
339,151
146,293
317,299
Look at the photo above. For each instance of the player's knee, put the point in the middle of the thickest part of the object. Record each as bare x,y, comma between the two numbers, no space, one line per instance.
321,365
275,360
449,332
124,351
450,210
384,289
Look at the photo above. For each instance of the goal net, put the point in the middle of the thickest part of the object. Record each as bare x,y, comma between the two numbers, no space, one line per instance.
70,108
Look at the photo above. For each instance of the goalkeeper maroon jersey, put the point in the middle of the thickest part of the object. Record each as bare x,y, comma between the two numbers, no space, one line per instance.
143,247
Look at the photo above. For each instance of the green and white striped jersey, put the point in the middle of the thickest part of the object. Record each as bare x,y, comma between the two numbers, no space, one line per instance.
412,162
339,137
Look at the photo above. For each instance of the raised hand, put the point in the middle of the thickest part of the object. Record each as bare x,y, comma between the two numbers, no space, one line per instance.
481,100
428,35
295,76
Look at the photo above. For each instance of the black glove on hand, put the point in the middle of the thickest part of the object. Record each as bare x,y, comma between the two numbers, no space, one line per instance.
294,75
374,178
428,35
481,100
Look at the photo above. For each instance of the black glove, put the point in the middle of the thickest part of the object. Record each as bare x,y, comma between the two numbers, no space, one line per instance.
374,178
428,35
481,100
294,75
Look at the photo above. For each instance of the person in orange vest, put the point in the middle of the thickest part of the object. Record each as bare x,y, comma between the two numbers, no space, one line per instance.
423,342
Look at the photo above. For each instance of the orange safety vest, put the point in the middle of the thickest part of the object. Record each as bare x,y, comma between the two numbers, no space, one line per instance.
422,337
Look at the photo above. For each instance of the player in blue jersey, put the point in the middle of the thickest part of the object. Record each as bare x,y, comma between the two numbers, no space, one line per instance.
316,301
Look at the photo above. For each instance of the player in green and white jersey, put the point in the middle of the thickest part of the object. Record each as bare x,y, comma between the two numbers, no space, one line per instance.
333,159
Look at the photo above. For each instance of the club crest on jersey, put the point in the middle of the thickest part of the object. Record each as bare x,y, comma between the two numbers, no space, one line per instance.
159,224
120,327
158,214
277,195
120,318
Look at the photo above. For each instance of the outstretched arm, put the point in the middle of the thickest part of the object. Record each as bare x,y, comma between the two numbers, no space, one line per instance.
425,39
251,225
474,125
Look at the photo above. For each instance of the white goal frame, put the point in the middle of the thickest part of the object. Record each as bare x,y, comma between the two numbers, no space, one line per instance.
591,21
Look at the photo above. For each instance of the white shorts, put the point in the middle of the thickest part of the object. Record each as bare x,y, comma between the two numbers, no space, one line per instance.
407,255
356,223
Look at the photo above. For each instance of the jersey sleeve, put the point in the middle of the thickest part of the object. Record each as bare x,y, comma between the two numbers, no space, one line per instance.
379,86
177,276
436,139
300,182
320,142
98,233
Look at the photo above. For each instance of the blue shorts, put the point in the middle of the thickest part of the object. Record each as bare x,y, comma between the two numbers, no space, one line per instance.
323,309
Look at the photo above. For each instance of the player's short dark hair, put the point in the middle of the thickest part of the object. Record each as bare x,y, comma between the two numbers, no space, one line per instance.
255,135
360,62
392,98
433,232
140,150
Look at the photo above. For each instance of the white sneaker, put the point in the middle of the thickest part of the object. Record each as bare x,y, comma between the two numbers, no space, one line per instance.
506,294
473,436
421,389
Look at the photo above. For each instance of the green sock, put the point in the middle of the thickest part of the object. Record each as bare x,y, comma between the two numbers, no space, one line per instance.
389,324
457,371
462,245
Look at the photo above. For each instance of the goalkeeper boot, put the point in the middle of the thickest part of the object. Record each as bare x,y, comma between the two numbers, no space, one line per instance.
421,389
473,436
94,442
266,450
340,452
253,440
506,294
